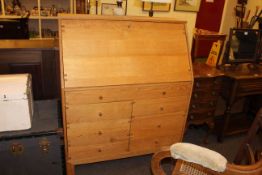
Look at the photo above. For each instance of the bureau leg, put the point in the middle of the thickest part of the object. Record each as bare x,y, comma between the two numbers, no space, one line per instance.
225,124
211,126
70,169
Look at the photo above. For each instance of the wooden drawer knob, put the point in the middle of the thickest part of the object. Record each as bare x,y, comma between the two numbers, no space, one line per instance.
214,93
195,95
100,97
197,84
100,114
164,93
100,133
161,109
194,106
99,150
192,117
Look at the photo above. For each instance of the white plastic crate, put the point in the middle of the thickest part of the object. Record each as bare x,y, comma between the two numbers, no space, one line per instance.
16,103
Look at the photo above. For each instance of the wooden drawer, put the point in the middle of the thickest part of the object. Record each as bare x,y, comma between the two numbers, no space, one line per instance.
153,144
249,87
160,106
97,152
204,95
200,115
207,83
102,132
125,93
98,112
158,126
206,105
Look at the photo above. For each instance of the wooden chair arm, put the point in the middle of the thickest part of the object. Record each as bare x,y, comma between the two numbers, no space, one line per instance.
156,161
255,169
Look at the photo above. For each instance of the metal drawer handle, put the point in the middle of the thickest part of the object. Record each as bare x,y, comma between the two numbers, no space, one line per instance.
44,145
195,95
214,93
16,149
197,84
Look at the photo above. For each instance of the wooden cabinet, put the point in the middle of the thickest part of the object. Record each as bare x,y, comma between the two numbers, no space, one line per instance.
207,88
121,100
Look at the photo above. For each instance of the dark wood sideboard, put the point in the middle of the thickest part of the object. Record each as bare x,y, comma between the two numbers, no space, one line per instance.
39,58
231,83
206,90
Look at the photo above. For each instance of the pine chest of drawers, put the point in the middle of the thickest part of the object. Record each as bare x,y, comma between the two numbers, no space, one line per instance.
126,86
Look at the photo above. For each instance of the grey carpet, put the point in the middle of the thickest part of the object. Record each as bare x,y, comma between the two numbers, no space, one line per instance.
141,165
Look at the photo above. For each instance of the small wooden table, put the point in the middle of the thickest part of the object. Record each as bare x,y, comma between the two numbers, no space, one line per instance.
240,81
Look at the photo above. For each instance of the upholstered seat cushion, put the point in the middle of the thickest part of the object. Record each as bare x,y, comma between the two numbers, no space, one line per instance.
199,155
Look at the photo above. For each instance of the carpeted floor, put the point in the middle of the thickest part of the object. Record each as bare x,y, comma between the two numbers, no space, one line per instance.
141,165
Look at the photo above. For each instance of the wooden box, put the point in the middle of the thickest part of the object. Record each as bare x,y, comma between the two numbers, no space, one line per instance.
126,86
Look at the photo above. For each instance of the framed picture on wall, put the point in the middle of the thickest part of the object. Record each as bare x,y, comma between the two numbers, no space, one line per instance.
187,5
107,8
157,7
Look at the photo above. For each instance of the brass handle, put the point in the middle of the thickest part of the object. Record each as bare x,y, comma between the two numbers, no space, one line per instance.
194,106
197,84
44,144
17,149
195,95
192,117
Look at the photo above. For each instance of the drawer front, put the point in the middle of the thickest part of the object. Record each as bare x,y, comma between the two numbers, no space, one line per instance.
98,112
160,106
207,83
125,93
200,116
149,134
249,87
199,106
97,152
204,95
108,131
158,126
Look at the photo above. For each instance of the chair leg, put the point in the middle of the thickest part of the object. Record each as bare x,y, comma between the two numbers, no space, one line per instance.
211,126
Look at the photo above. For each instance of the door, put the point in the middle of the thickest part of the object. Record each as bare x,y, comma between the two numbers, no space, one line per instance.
209,18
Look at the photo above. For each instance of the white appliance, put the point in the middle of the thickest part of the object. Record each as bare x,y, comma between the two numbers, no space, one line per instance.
16,103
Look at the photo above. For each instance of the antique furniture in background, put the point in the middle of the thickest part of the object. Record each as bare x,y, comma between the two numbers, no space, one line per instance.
126,93
40,58
241,81
38,150
201,36
207,88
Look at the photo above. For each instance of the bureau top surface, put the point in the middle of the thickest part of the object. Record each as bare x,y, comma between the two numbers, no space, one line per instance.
102,51
202,70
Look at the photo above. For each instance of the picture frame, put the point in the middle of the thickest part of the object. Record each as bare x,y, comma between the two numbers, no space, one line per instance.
187,5
107,8
157,7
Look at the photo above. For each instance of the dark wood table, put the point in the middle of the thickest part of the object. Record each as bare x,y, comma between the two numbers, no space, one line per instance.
240,81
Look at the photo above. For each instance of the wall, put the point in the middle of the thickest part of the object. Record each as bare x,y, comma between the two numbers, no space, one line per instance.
135,9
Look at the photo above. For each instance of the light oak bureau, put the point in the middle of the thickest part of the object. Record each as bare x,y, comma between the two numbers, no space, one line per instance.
126,86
